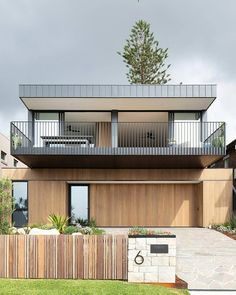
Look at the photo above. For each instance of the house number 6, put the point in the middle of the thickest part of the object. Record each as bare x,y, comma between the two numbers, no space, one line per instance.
139,259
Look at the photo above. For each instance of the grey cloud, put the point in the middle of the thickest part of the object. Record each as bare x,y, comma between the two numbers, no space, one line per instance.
76,41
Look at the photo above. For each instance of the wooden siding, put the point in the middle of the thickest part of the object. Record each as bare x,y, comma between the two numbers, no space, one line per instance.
103,134
199,203
48,192
45,198
64,257
217,201
144,204
117,174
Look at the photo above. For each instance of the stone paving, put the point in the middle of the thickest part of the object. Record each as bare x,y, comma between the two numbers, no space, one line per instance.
206,259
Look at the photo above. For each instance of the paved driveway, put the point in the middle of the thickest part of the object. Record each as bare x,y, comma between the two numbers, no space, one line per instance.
206,259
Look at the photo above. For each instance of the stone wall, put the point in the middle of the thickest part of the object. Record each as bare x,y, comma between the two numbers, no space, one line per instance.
153,267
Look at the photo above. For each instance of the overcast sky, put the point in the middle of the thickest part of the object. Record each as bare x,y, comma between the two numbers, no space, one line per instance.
75,41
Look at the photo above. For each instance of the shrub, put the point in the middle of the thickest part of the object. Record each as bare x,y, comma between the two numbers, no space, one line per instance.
228,226
92,222
19,231
97,231
86,230
59,222
6,205
41,226
232,221
140,231
137,231
86,222
82,222
70,230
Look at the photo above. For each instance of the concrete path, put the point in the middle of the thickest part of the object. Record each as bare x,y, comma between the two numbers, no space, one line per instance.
206,259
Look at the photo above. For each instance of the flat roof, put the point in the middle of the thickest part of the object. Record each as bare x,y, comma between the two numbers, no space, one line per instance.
119,97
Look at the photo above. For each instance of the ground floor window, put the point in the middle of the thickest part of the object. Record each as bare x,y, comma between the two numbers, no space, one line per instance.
78,202
20,196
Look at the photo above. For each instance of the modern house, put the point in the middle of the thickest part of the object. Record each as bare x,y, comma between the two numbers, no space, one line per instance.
125,155
6,159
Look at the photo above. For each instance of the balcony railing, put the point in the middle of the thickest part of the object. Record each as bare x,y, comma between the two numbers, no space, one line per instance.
106,138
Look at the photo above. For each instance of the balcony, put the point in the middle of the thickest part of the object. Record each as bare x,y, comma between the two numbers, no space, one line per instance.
118,145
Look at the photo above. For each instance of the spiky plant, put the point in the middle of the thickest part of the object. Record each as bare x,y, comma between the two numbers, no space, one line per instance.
59,222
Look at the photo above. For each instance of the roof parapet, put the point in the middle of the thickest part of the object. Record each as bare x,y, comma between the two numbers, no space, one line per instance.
119,91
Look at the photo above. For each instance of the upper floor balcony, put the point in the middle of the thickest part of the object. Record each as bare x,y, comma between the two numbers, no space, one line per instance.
118,145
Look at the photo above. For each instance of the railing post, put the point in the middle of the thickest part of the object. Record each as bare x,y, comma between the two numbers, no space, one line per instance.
30,127
114,128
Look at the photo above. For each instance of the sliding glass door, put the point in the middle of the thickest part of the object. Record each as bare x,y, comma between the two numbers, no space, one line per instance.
78,202
47,127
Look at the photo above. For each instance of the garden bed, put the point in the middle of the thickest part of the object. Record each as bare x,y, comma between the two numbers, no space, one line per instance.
228,234
228,228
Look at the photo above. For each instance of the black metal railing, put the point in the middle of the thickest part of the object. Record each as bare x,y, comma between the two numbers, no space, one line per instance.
53,137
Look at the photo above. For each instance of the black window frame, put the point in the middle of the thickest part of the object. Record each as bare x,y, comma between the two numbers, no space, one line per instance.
3,156
69,198
20,209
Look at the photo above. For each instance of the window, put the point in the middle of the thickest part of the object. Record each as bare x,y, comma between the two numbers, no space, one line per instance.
20,196
226,162
3,156
45,124
78,202
187,116
46,116
15,163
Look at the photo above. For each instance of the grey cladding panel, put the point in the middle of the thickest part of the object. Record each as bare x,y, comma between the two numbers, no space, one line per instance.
117,91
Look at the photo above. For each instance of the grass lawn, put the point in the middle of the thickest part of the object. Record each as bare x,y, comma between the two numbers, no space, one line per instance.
80,287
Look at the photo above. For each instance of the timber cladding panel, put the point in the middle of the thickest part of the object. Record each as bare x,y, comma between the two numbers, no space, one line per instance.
45,198
145,204
103,134
217,202
64,257
118,174
207,201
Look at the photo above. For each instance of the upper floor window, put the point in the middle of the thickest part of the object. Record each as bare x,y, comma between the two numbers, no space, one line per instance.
46,116
187,116
20,196
226,161
46,124
3,156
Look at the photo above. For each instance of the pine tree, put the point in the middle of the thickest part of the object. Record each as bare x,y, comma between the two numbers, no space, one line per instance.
144,58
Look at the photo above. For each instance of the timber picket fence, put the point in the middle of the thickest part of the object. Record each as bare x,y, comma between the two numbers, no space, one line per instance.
64,257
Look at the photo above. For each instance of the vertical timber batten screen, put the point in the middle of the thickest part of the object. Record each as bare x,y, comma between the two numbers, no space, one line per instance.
64,257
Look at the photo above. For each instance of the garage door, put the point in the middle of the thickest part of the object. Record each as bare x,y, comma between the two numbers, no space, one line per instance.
146,204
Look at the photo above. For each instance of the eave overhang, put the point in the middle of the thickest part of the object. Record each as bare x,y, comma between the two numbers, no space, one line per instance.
118,97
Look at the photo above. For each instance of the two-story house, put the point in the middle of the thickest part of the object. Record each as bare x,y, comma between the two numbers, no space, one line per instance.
125,155
6,159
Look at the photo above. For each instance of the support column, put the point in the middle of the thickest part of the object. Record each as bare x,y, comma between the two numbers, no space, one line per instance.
31,126
114,128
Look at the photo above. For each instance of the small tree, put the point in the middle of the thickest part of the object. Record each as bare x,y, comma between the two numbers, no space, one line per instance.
6,205
144,59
